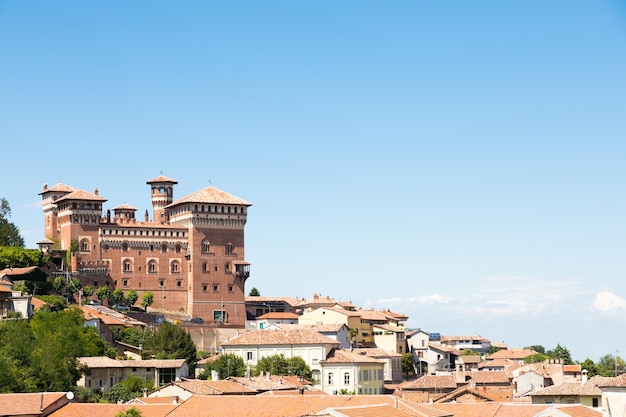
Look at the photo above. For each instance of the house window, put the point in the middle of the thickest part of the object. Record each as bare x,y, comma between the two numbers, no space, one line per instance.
330,378
346,378
220,316
166,375
229,249
249,356
594,402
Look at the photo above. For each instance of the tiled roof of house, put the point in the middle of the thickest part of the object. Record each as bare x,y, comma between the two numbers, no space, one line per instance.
570,388
514,354
15,273
377,353
81,195
210,195
613,382
388,328
327,301
124,206
287,405
25,404
429,382
497,363
321,328
345,356
491,409
105,362
489,377
265,383
202,387
110,410
367,411
109,317
278,315
45,241
280,337
60,187
260,299
161,178
460,338
572,368
467,359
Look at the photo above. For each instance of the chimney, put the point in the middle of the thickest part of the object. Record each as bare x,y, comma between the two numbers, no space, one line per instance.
95,191
175,399
584,374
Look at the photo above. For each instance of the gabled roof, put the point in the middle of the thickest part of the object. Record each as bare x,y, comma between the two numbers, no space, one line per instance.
161,178
124,206
570,388
514,354
109,317
81,195
489,377
429,382
110,410
318,327
210,195
613,382
29,273
292,301
345,356
59,188
376,352
278,315
202,387
287,405
280,337
30,404
265,383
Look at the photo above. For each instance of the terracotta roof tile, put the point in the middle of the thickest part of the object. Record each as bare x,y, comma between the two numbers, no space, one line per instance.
81,195
514,354
201,387
280,337
428,382
489,377
570,388
376,352
161,178
211,194
105,362
60,187
276,315
24,404
345,356
110,410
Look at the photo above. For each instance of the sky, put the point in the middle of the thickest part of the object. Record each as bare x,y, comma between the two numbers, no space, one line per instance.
461,162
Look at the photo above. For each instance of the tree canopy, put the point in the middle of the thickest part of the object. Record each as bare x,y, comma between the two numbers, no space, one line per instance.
170,342
9,233
227,364
279,365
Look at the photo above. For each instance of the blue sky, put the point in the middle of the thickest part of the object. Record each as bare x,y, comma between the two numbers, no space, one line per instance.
460,162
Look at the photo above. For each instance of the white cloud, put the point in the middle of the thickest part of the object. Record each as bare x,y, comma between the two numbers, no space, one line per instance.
608,303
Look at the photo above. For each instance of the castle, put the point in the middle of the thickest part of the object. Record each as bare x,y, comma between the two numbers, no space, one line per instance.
190,255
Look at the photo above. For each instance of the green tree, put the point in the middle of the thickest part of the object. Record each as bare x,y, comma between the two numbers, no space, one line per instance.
9,233
226,365
128,335
118,296
610,365
470,352
561,352
130,387
536,358
297,366
16,346
103,293
254,292
88,292
408,366
147,300
274,364
55,302
492,349
74,285
537,348
131,298
58,284
170,342
591,368
131,412
11,256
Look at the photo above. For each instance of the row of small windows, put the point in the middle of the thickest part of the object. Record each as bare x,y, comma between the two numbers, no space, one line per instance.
133,232
346,378
201,208
177,248
206,287
206,247
162,190
126,283
153,267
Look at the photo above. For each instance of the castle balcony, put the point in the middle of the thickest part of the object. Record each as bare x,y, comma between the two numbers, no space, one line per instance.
242,269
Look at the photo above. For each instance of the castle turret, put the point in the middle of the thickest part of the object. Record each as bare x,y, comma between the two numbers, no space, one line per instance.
162,194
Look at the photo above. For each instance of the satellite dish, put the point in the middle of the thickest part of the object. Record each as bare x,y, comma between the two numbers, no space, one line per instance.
69,395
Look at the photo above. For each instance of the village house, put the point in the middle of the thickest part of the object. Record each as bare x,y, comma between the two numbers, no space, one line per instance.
103,372
349,372
584,392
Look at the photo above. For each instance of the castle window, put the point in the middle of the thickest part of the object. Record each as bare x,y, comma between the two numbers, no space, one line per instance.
125,282
179,283
205,287
152,266
220,316
205,267
206,247
128,267
164,248
216,287
124,247
84,246
229,248
175,267
178,248
227,268
230,288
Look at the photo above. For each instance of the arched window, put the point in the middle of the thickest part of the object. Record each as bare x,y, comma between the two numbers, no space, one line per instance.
152,266
163,248
229,248
127,266
175,267
84,245
178,248
206,246
125,247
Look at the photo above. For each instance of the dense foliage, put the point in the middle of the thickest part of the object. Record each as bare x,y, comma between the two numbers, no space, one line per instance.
170,342
15,257
9,233
279,365
226,365
130,387
41,354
